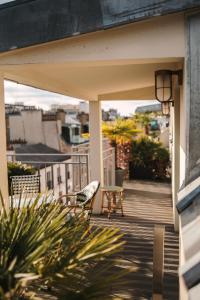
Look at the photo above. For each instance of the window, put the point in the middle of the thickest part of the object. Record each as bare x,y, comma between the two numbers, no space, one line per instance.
76,131
66,134
59,178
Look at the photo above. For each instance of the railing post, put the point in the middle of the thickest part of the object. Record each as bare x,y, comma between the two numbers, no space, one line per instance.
87,168
39,179
52,177
66,178
79,170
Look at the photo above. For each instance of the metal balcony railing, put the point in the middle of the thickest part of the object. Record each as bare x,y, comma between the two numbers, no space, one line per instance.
108,159
67,172
60,173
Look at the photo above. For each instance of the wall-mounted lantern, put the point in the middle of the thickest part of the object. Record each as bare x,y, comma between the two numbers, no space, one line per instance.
163,88
165,106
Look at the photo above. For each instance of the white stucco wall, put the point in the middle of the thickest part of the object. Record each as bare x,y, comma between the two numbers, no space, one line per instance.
32,121
30,127
52,132
16,127
58,189
164,137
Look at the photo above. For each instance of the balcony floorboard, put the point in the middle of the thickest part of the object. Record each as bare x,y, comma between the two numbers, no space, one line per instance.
146,204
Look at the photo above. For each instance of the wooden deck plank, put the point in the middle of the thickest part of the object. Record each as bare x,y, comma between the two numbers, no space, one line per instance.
146,204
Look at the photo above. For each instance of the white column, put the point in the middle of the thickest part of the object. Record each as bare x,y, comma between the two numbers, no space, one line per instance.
3,158
176,152
96,152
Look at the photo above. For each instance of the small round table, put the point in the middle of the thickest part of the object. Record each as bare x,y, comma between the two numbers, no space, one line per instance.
114,196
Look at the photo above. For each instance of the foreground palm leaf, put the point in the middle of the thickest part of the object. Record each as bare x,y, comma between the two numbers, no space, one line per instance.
43,247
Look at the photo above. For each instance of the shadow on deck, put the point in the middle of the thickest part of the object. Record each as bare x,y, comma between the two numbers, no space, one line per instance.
146,204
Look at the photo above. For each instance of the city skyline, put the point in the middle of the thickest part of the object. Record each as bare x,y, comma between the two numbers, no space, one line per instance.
15,92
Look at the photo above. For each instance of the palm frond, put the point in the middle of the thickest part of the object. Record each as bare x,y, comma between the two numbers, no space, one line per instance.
43,246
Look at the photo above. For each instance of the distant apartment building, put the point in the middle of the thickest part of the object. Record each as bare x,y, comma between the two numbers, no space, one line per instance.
83,118
53,167
149,108
56,129
159,123
71,131
32,126
71,109
110,115
84,107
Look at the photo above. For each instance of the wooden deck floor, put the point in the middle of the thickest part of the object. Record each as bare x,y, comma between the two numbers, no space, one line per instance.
146,204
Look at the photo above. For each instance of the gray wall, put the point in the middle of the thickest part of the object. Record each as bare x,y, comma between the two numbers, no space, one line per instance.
193,98
189,196
29,22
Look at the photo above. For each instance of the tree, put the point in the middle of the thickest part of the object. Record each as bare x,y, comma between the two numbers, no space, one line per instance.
120,131
143,119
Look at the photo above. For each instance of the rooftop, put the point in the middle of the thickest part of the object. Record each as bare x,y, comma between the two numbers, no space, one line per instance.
148,108
39,149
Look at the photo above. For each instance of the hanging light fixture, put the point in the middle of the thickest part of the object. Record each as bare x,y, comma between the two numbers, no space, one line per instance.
163,88
166,108
163,85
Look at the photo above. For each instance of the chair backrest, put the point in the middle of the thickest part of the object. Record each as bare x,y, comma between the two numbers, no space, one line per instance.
87,194
29,184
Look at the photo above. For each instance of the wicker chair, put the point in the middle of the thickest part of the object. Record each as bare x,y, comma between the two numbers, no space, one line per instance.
28,184
83,200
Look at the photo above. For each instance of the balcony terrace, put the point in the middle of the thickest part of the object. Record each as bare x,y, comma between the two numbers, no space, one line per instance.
146,204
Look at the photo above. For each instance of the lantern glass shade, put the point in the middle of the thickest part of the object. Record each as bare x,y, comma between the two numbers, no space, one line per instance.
165,108
163,85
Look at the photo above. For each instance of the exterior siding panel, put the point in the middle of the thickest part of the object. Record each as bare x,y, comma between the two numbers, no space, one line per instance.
30,22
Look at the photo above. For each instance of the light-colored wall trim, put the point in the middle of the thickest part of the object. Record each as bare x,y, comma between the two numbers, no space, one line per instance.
96,153
3,157
176,151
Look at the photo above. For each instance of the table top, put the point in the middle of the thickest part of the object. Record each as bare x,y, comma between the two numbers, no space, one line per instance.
115,189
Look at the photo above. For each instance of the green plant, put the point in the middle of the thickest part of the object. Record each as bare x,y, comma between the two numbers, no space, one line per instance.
120,131
148,121
17,169
44,250
149,159
144,120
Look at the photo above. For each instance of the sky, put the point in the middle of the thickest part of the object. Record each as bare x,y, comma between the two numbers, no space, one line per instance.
5,1
30,96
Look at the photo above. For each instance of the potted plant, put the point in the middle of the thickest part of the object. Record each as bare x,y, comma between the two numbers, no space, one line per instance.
119,131
150,160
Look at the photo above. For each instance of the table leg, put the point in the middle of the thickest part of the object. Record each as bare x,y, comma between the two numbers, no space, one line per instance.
121,202
114,202
102,201
109,204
